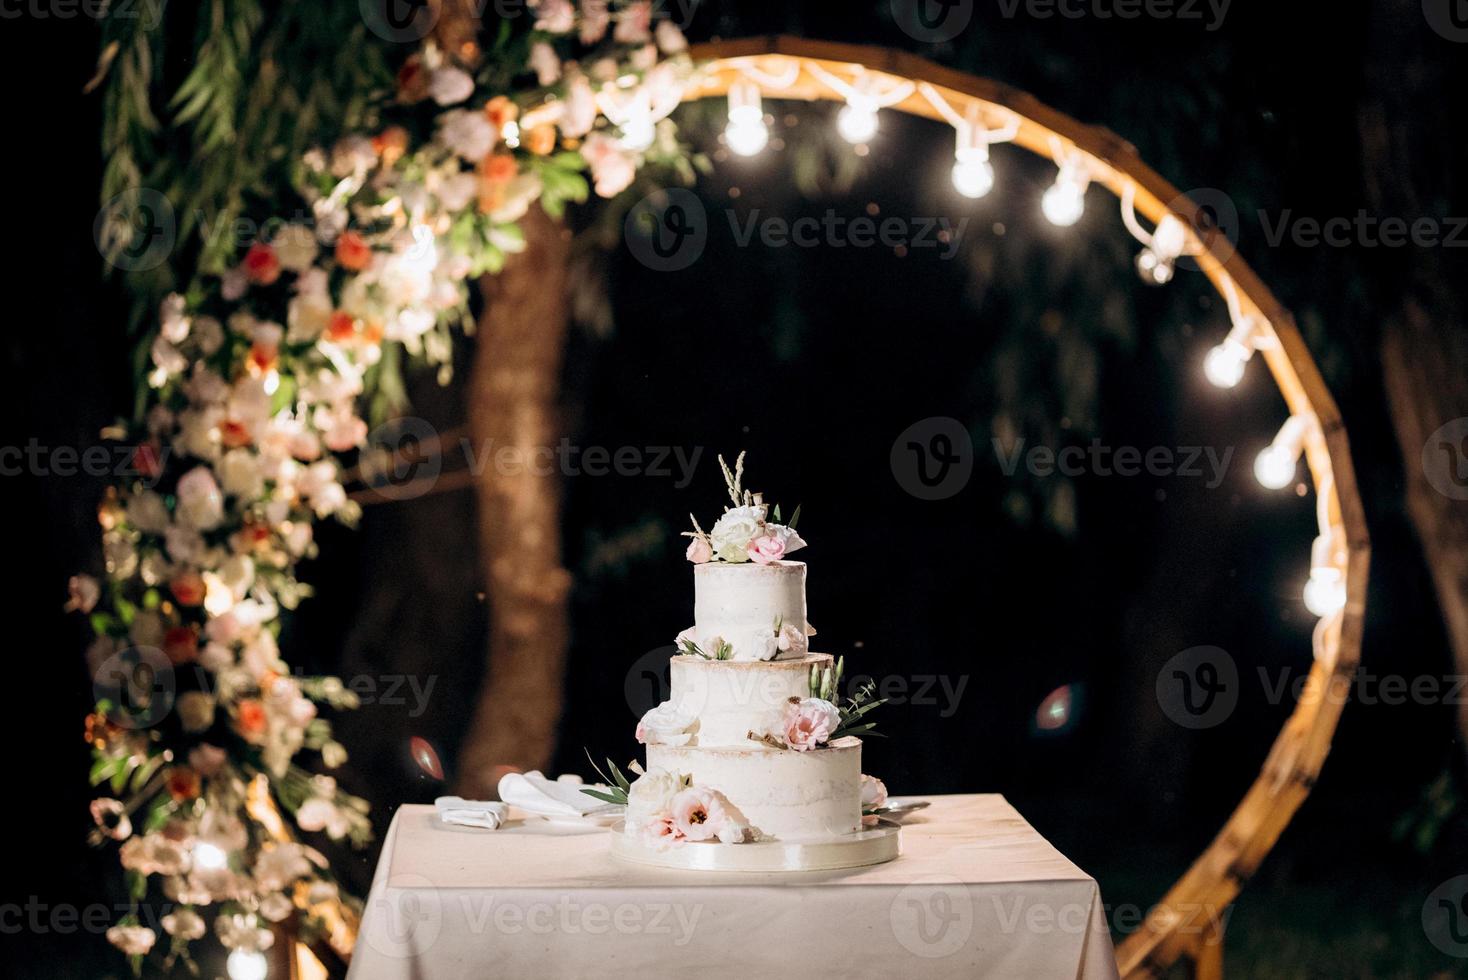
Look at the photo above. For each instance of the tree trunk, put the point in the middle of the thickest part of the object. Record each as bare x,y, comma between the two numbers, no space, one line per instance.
1407,163
514,420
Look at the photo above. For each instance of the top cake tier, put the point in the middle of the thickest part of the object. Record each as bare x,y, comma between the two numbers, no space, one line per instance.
756,611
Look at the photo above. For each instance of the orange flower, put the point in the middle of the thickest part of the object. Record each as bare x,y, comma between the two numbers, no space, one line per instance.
500,110
391,144
250,719
353,252
491,196
188,588
372,331
262,357
233,434
498,168
181,644
261,265
341,327
540,140
183,784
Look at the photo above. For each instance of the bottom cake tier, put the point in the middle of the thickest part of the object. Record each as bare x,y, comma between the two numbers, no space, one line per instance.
785,794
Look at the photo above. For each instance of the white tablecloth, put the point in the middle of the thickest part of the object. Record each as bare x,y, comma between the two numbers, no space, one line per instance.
976,893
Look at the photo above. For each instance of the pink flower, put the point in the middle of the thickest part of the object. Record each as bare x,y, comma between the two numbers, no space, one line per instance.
767,548
699,551
873,795
809,722
84,591
699,813
611,167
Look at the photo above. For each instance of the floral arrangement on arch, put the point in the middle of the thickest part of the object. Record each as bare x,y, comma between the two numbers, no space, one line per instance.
744,531
256,387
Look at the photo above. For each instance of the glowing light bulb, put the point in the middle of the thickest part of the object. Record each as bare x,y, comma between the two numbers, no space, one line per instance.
1224,365
1275,467
1157,263
746,132
857,121
210,857
973,175
1325,593
1065,201
247,964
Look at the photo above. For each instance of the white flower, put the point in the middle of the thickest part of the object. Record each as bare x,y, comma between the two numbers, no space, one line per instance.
519,194
184,545
791,540
580,112
167,357
132,940
352,155
239,474
296,247
651,794
281,865
732,532
276,906
200,504
545,63
119,556
147,512
319,813
448,85
84,591
554,16
873,792
208,334
457,191
468,134
306,316
667,724
184,924
238,574
670,38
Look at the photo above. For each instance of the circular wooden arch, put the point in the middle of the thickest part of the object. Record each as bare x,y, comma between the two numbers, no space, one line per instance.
1180,925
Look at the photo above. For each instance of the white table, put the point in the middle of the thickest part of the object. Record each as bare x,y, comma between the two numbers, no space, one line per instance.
976,893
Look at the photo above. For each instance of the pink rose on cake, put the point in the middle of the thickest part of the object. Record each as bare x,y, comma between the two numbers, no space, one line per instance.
667,724
700,813
809,722
792,641
775,543
699,552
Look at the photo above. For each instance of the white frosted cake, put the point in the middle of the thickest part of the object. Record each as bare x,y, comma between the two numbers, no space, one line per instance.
754,745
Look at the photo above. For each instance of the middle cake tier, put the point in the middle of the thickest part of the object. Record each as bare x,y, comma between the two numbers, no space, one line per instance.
731,698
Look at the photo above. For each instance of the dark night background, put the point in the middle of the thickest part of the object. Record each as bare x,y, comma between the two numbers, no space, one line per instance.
814,360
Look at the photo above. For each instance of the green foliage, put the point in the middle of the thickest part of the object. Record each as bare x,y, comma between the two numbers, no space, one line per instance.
617,782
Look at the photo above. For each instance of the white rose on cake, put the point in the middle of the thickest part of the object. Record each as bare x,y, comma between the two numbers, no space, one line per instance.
667,724
733,532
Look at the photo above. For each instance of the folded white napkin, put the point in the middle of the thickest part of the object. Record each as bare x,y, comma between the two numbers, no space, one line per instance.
533,793
471,813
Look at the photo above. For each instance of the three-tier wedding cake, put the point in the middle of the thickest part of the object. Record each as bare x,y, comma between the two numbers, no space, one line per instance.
755,745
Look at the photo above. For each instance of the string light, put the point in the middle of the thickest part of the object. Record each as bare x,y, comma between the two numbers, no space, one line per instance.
857,120
1157,263
973,175
1275,465
1224,365
1065,201
247,964
746,132
1325,592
